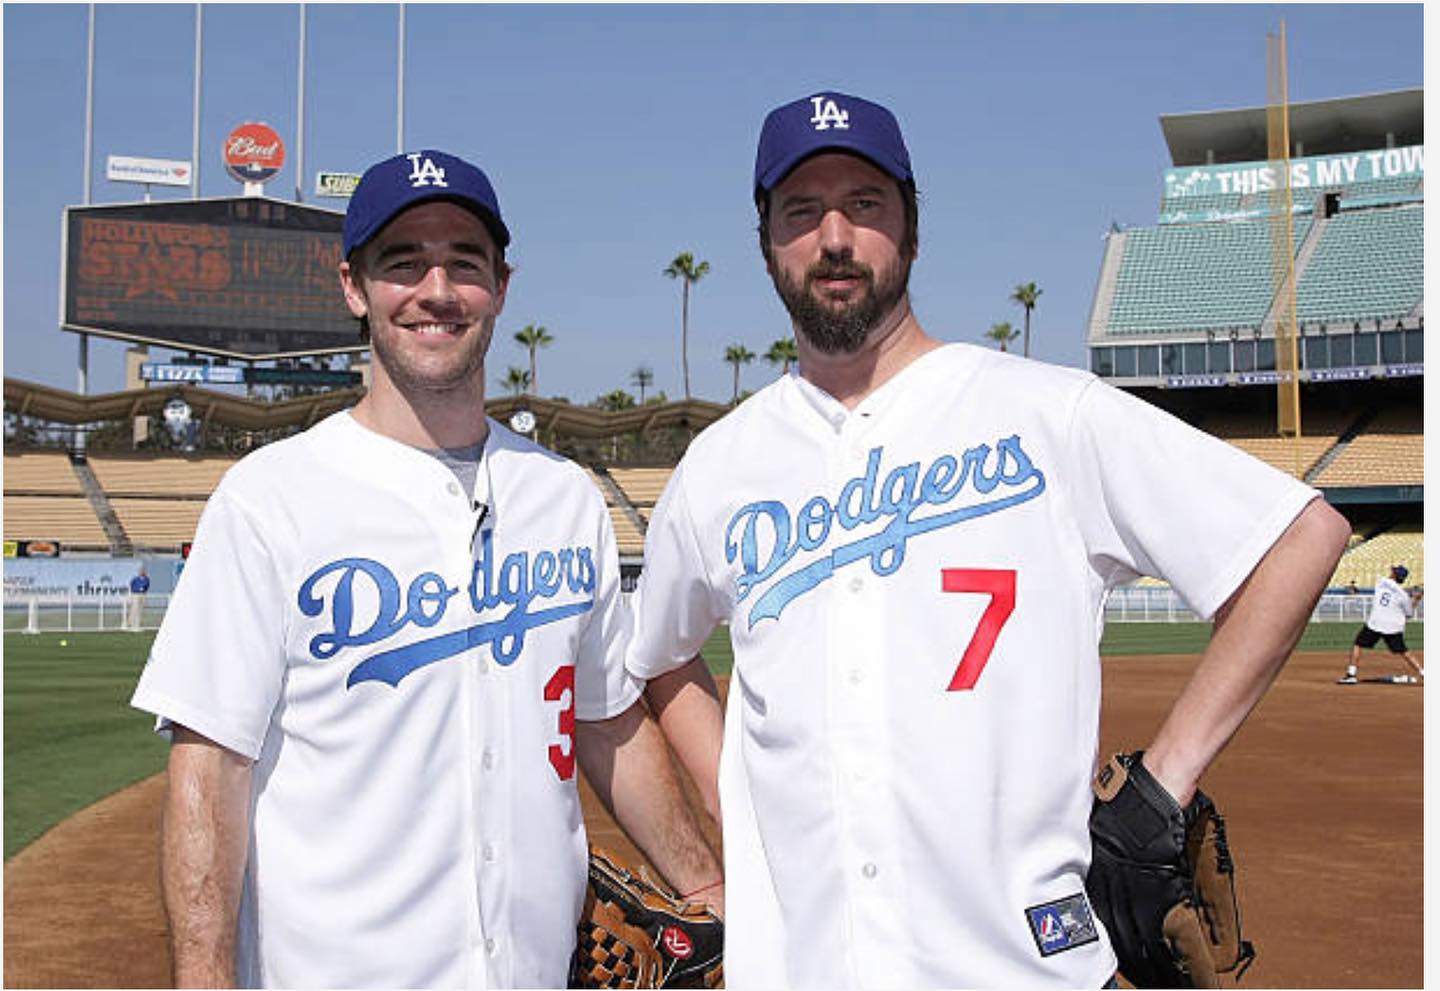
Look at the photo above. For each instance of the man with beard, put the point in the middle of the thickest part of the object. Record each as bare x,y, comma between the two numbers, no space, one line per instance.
397,634
911,543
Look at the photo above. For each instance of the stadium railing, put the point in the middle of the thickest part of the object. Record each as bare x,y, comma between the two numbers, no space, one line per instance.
1161,604
115,613
84,613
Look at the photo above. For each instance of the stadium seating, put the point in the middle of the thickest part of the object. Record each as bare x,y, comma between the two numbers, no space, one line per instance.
68,519
642,486
40,473
150,475
1256,436
1367,560
45,501
158,498
628,538
1193,277
158,522
1369,264
1198,206
1389,451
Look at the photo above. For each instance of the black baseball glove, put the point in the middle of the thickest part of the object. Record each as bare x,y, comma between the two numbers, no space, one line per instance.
1162,881
633,934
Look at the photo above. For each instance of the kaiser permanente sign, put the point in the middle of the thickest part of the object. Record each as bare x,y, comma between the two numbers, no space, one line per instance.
1321,170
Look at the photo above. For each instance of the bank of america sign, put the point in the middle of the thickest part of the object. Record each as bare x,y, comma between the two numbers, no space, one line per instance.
155,171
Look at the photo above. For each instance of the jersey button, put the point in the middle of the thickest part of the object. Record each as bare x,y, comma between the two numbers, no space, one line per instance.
857,583
869,870
490,852
492,946
488,759
453,489
856,676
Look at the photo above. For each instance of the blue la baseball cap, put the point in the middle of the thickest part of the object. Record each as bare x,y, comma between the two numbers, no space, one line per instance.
828,121
1401,572
398,183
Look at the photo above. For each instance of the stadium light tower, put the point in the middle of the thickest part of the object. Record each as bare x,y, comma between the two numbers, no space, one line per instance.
82,360
300,116
195,107
400,85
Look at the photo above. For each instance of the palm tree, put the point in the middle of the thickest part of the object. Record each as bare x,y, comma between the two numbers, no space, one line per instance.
1003,334
737,355
533,336
1026,294
783,352
616,400
685,268
517,380
642,378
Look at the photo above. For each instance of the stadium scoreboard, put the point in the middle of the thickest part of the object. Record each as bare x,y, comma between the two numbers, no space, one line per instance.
244,277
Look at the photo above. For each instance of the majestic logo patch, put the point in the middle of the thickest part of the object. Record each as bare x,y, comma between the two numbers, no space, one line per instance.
426,174
1062,924
765,536
828,114
517,583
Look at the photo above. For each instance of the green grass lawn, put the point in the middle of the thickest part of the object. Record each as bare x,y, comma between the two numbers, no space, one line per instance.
70,735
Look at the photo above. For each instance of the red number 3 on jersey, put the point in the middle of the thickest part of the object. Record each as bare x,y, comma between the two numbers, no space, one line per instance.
1000,586
563,758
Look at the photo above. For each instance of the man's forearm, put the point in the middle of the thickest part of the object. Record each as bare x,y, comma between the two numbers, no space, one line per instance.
627,764
686,704
204,844
1255,631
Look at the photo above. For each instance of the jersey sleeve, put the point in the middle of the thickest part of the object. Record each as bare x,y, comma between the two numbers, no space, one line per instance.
675,605
218,662
603,687
1158,497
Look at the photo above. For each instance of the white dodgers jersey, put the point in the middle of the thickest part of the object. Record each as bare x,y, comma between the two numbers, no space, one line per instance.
404,661
915,592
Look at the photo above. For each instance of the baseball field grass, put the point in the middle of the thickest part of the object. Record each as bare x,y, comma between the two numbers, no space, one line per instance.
71,737
70,734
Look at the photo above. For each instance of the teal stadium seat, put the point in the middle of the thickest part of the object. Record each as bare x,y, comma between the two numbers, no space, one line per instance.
1189,277
1369,265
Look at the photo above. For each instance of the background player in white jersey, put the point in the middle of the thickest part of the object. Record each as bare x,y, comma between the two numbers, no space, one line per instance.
912,543
395,636
1389,609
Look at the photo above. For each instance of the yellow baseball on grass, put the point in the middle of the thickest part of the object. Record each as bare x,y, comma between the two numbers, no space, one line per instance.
64,643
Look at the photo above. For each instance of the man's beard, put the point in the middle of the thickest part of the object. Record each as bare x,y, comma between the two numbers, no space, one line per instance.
842,330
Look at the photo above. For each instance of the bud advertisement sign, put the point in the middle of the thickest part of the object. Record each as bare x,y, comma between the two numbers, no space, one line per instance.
254,153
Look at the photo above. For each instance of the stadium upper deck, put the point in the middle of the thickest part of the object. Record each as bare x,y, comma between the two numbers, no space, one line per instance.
1191,300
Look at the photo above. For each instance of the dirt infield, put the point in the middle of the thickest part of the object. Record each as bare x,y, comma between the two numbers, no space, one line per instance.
1323,789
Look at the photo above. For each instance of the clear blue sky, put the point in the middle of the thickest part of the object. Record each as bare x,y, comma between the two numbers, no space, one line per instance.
620,136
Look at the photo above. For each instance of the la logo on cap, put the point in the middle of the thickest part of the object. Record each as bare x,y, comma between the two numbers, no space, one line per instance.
827,114
428,174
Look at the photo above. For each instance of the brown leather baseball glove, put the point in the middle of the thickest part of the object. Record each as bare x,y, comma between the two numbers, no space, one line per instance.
634,934
1163,881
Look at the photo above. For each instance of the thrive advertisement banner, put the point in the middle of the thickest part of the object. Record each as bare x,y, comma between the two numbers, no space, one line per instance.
89,579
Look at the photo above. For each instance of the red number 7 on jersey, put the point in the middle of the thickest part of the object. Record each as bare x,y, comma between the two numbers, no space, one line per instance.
1000,586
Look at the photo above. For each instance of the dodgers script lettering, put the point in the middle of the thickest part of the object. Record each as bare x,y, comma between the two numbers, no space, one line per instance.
765,536
506,592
